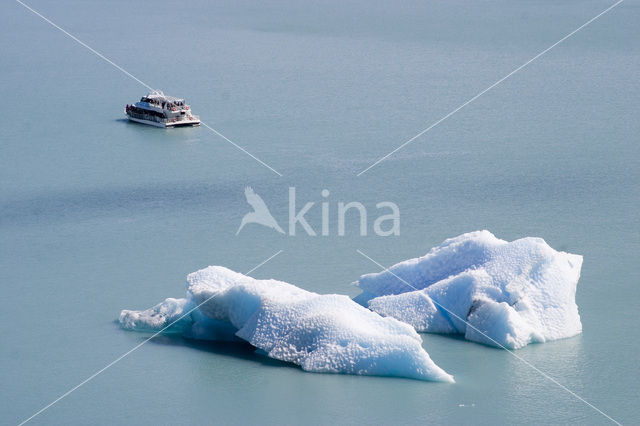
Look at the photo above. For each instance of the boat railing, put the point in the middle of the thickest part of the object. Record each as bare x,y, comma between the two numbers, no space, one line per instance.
184,118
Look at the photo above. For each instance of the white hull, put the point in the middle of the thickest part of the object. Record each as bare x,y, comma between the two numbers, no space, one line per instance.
193,122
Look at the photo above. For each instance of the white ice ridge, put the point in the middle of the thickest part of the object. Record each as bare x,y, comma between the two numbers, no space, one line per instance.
493,291
321,333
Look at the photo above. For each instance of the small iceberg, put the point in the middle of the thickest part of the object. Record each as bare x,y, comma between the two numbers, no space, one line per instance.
505,294
321,333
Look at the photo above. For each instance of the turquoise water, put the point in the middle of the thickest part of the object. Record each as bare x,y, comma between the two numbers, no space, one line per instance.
99,215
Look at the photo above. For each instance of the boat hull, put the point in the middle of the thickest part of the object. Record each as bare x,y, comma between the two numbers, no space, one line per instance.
182,123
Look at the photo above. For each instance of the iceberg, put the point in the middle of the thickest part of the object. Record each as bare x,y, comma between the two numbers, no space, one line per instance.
499,293
321,333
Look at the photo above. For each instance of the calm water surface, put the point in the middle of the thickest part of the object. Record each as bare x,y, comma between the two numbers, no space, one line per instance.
99,215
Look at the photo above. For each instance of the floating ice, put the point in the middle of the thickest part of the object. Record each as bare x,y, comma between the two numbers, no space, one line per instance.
321,333
492,291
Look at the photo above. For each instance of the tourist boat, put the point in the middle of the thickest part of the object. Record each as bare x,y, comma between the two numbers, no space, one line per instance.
160,110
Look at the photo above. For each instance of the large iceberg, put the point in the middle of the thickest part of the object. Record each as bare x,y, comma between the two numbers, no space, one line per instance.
505,294
321,333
